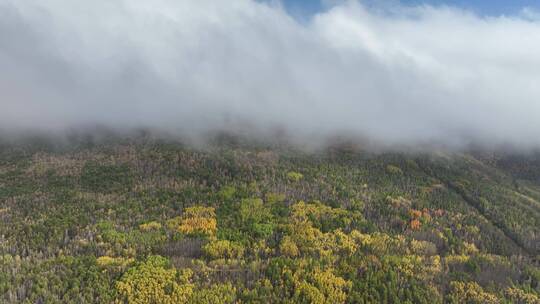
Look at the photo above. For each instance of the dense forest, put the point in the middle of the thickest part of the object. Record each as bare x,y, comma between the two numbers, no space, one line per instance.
155,221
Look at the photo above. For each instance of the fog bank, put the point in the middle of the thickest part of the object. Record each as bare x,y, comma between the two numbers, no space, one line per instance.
393,76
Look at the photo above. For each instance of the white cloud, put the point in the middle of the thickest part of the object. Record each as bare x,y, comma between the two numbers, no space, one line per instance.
414,75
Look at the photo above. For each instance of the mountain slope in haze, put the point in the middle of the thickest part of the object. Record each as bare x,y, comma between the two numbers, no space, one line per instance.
154,221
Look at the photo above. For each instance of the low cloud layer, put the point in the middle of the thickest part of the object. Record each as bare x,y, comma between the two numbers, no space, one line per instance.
396,76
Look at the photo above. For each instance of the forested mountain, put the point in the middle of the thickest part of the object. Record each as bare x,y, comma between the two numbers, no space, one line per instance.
150,221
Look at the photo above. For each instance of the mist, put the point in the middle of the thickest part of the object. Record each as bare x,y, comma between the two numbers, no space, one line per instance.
395,75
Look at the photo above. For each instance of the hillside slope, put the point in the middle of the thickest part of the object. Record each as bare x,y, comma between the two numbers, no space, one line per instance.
147,221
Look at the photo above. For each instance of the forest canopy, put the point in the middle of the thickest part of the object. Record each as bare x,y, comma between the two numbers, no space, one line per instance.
160,222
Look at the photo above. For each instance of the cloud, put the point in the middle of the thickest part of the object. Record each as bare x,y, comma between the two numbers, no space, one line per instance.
399,76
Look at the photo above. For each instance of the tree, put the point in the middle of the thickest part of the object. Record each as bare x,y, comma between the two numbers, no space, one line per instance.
334,288
256,217
470,293
153,281
215,294
198,220
308,294
295,176
288,247
223,249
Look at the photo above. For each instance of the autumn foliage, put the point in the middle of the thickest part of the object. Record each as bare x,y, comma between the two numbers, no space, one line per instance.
159,222
198,220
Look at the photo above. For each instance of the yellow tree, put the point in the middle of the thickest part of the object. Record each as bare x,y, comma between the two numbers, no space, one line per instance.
470,292
223,249
153,281
334,288
198,220
215,294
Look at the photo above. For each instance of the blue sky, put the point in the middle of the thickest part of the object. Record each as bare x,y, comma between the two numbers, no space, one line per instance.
303,8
